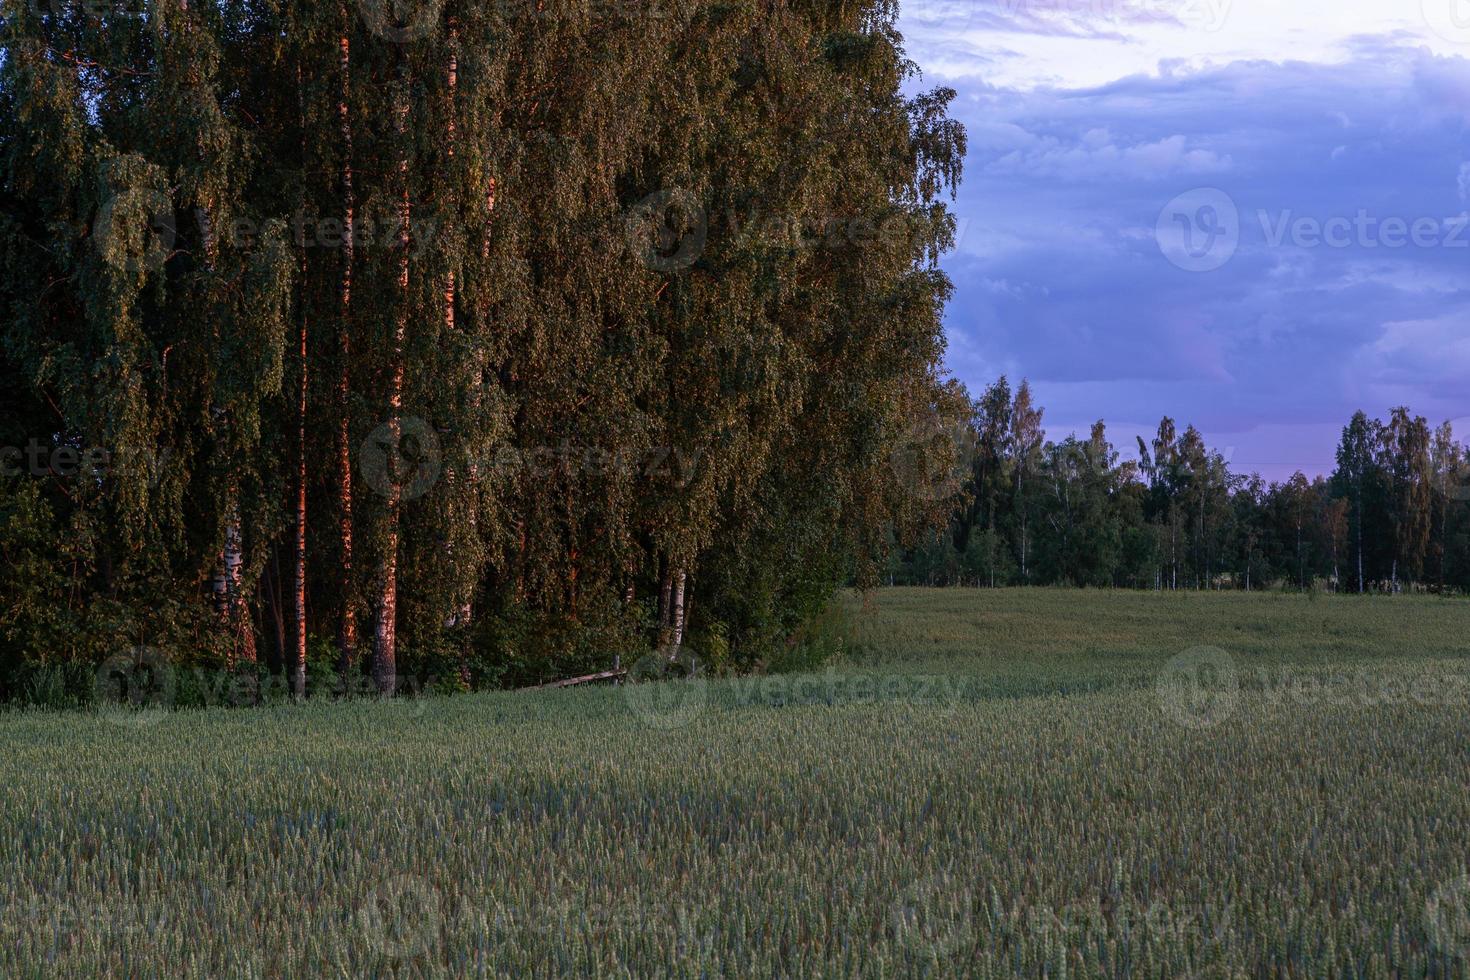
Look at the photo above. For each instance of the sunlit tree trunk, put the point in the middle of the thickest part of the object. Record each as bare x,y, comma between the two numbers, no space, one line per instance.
229,601
385,628
298,584
230,604
464,614
678,613
1360,540
298,684
347,628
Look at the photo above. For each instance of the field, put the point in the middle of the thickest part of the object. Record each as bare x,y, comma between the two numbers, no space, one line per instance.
990,784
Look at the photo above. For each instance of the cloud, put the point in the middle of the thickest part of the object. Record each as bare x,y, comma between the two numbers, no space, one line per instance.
1088,159
1076,43
1427,353
1085,19
1061,279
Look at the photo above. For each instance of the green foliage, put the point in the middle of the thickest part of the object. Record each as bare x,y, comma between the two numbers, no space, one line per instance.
711,645
174,277
525,648
1070,512
826,639
987,559
57,685
34,619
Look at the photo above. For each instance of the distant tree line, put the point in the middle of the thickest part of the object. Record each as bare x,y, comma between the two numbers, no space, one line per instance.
1394,514
467,339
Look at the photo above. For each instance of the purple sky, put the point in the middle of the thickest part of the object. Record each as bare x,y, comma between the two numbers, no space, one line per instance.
1250,215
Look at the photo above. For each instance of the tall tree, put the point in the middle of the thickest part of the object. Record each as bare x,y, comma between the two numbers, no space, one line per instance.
1406,460
1026,440
346,583
1355,466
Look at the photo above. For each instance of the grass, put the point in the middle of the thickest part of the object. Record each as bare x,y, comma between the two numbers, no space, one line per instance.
1035,640
1012,783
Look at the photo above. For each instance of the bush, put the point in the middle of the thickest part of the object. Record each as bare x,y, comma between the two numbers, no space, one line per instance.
711,645
826,638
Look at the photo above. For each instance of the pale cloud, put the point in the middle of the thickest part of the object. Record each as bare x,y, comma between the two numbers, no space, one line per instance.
1423,351
1095,156
1082,43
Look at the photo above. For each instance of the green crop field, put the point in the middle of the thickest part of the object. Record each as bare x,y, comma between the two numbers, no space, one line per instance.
988,783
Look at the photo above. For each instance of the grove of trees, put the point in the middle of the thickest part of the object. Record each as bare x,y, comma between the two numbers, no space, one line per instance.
1394,514
474,340
487,341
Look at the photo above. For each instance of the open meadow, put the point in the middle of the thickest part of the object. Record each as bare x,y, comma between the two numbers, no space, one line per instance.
988,783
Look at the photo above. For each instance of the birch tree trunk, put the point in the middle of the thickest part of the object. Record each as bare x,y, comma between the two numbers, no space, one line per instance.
229,602
347,628
234,612
1301,565
1360,540
298,584
665,601
678,617
465,613
385,627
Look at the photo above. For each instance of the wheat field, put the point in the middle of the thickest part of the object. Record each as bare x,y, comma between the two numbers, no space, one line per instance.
1013,783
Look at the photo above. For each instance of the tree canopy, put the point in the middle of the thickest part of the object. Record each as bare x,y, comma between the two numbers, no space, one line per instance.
480,340
1394,514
